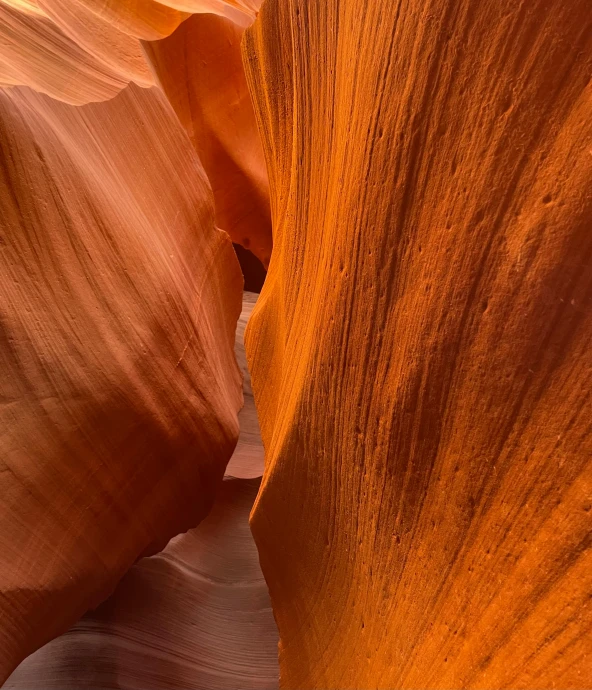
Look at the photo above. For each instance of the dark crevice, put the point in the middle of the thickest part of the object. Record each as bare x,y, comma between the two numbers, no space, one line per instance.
252,269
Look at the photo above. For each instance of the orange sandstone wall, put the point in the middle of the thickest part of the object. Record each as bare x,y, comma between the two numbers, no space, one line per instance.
199,68
196,615
120,389
120,295
420,353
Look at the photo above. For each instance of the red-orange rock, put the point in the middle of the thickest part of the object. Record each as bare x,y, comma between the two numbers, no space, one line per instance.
200,69
196,615
420,353
119,389
79,52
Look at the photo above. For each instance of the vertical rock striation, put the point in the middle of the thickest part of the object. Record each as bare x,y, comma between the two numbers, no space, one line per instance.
420,353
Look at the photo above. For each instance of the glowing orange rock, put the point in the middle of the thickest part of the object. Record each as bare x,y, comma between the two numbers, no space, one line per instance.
119,389
420,353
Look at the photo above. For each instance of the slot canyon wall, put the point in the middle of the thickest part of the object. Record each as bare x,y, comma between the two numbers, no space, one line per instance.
196,615
120,300
419,355
120,390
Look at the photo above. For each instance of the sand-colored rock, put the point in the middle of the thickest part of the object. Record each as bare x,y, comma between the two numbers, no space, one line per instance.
119,389
195,616
200,69
147,19
420,353
119,51
247,461
151,19
30,7
241,12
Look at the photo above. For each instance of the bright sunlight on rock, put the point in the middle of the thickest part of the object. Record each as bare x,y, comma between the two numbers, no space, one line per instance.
295,325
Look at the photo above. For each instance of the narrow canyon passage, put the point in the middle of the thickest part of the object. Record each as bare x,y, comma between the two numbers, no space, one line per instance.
196,615
389,485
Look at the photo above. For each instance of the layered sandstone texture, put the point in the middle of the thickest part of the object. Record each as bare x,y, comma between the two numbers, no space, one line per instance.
195,616
420,354
120,389
81,51
118,406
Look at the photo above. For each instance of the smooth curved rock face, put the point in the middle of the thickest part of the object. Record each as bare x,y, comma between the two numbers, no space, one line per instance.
35,52
420,353
195,616
148,19
200,69
118,51
83,51
120,390
78,51
241,12
154,19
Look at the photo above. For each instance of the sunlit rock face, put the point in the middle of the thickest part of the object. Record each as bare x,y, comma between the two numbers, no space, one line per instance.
420,354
